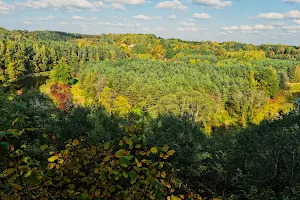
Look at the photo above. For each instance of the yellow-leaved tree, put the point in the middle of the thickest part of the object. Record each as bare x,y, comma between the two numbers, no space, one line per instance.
121,105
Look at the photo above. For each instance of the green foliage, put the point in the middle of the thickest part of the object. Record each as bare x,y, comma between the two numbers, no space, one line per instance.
81,171
62,73
231,95
147,118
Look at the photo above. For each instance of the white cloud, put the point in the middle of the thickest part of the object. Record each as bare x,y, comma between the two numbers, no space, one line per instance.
293,14
160,29
77,17
6,8
98,4
119,24
291,28
173,17
132,2
49,17
279,23
117,6
223,33
262,27
144,17
175,5
237,28
63,23
202,16
292,1
188,29
80,4
246,28
212,3
271,15
297,21
188,24
146,29
28,22
70,5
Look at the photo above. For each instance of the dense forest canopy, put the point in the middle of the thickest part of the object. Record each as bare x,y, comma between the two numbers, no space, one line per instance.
134,116
218,84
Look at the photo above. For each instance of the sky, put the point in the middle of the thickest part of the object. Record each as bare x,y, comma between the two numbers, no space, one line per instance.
249,21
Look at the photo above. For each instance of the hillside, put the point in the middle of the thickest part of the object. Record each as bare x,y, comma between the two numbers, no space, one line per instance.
134,116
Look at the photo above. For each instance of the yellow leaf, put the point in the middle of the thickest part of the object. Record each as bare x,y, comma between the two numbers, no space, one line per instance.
138,163
171,152
163,174
51,165
168,185
97,193
11,147
53,158
154,150
57,166
75,142
165,148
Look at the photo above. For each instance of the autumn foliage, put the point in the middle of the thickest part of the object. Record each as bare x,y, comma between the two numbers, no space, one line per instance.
82,171
61,93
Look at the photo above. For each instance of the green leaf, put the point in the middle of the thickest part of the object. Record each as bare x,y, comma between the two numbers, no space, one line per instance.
5,146
44,147
120,153
106,145
28,174
3,134
27,159
71,186
132,174
31,129
123,161
112,188
36,180
13,123
13,177
83,196
125,175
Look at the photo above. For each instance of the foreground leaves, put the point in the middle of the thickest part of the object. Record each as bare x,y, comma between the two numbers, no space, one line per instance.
82,171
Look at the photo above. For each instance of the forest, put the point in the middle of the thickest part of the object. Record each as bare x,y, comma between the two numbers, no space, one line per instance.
135,116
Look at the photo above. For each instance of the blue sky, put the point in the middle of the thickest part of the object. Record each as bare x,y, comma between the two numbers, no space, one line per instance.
250,21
